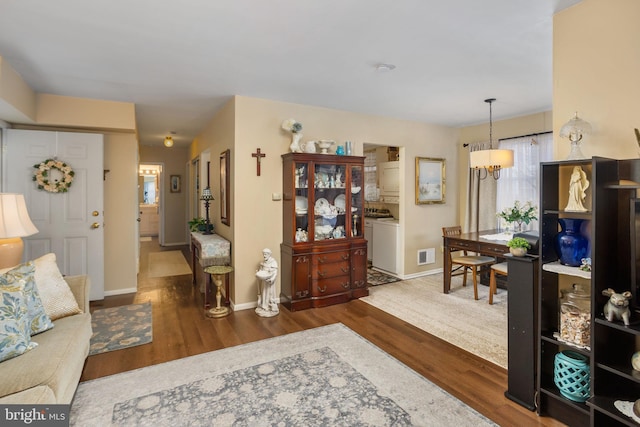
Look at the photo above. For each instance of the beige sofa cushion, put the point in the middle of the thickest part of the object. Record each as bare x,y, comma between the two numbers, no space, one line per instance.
56,362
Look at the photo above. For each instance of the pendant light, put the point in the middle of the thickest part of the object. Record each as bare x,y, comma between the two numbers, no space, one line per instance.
490,162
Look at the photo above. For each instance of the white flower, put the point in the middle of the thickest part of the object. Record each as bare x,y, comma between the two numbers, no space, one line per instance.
292,125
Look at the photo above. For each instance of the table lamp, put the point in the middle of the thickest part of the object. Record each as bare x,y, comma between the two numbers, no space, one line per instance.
14,224
207,197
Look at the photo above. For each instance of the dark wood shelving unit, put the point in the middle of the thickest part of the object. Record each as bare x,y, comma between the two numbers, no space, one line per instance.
614,215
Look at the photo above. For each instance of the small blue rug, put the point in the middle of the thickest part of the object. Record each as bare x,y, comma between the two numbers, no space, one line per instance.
121,327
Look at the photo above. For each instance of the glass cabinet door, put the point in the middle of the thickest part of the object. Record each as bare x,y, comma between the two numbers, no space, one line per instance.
357,200
330,202
302,202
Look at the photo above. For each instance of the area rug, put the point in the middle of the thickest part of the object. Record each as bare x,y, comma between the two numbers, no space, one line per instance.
456,317
121,327
327,376
376,278
168,263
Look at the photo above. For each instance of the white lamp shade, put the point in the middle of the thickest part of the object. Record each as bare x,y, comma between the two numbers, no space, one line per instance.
14,218
491,159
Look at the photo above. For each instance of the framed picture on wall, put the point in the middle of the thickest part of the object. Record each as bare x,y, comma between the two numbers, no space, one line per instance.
430,180
175,184
225,187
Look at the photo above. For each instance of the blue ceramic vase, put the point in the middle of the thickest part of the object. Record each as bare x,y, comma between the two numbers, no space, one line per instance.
571,245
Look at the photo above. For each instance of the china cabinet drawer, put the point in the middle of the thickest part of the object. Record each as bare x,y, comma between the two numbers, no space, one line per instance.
331,257
331,286
334,269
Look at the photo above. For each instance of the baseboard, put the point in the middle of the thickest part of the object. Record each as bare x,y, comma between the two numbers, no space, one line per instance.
246,305
175,244
120,292
423,273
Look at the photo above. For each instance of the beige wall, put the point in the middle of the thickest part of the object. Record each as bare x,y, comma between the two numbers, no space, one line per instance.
175,205
120,213
257,219
596,69
17,100
525,125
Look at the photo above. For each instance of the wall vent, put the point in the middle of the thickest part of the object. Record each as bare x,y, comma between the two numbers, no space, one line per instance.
426,256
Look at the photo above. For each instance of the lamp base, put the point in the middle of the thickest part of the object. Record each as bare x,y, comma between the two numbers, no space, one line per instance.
11,252
575,153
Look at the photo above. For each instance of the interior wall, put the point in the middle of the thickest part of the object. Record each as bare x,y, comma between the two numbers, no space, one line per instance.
174,204
596,64
120,213
257,218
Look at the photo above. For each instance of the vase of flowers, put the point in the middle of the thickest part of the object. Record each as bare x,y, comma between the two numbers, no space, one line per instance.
519,214
295,127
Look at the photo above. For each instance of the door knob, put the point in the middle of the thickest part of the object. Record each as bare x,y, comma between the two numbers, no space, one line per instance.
95,213
95,225
139,219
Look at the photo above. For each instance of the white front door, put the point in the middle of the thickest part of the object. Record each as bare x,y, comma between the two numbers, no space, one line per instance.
70,224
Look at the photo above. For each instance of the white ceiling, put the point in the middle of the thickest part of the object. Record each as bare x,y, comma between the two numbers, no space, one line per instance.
181,61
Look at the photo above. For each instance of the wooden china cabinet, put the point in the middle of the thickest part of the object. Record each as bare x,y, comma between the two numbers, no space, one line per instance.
323,250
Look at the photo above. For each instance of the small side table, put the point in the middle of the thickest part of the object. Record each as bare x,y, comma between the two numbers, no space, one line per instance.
218,272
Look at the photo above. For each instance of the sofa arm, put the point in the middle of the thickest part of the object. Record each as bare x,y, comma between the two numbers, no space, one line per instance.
80,286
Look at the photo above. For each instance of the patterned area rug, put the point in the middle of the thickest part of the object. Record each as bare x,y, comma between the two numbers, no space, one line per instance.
121,327
318,377
375,278
168,263
455,317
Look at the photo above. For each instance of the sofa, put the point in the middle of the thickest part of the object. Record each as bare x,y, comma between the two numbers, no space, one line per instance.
49,373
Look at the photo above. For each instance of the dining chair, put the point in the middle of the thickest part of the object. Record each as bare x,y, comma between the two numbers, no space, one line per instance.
499,268
466,261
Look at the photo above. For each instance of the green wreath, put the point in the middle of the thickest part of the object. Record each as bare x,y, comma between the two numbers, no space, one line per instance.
44,180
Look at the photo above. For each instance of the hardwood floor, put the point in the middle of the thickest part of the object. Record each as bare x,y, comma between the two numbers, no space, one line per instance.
180,329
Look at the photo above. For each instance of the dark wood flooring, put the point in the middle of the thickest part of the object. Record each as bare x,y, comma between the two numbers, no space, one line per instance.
181,329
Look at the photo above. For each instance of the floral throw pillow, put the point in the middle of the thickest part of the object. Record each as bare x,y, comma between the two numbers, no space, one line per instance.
15,336
25,273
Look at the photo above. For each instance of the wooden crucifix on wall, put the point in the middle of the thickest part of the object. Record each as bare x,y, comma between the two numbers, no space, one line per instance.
258,155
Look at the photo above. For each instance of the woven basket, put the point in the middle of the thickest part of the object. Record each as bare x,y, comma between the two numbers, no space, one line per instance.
571,375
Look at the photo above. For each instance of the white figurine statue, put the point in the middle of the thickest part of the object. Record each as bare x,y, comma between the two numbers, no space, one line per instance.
267,297
577,190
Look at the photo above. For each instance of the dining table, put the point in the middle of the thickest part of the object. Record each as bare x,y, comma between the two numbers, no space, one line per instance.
487,242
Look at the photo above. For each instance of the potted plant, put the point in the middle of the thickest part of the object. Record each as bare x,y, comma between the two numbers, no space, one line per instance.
199,224
518,246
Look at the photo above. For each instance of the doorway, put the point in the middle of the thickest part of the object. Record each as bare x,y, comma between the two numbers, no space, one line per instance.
150,201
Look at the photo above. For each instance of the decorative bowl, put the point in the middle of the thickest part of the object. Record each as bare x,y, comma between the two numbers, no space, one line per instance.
262,274
355,190
324,145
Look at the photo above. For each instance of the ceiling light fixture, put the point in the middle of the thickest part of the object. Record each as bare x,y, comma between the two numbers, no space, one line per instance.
168,141
574,129
383,68
490,161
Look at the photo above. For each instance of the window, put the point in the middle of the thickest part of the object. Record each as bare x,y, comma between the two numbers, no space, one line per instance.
522,181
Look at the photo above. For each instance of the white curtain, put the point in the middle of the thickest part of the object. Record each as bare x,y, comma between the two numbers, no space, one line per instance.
522,181
481,198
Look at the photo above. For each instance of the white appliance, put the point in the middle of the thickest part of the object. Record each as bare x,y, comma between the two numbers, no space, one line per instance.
368,235
386,241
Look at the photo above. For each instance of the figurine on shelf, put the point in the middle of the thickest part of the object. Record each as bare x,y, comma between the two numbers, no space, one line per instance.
577,190
617,308
267,298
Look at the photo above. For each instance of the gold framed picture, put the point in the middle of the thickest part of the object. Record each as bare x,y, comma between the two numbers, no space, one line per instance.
430,180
